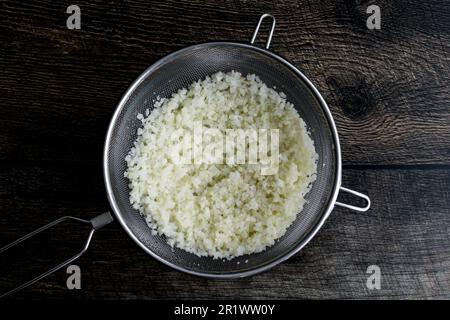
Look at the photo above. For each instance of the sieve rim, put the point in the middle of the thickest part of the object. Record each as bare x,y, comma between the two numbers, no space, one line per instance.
295,249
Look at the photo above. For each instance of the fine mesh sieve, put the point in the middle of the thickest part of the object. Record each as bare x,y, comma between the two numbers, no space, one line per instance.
178,70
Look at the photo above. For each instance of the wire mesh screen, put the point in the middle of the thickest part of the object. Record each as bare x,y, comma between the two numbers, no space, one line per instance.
179,70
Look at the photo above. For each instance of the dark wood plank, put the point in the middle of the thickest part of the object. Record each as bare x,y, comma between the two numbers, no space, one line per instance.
406,233
388,89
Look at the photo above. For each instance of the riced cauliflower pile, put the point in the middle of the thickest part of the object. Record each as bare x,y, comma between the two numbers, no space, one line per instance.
220,210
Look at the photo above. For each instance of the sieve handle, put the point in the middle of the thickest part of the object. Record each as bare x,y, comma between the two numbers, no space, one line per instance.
96,223
272,28
352,207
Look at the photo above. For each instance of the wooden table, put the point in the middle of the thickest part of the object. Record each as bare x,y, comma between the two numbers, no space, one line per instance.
388,91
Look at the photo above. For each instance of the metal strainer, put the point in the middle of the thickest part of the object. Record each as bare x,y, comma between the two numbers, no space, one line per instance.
178,70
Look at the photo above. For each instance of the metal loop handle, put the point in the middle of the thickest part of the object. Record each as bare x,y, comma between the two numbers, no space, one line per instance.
358,194
96,223
255,33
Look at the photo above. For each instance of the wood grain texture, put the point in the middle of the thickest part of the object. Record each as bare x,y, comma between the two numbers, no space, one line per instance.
406,235
387,90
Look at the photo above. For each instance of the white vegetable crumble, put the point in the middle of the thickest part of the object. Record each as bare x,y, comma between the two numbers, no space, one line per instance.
220,210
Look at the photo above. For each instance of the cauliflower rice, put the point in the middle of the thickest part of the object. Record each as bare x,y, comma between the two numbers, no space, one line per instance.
220,210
